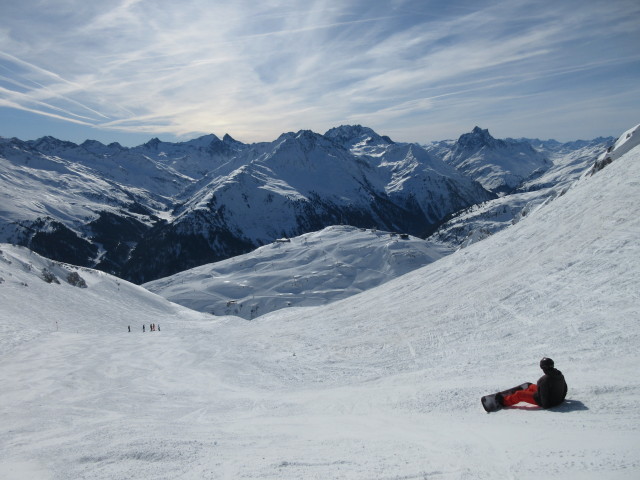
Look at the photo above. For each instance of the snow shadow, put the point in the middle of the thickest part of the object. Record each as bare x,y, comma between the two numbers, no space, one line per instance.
570,406
565,407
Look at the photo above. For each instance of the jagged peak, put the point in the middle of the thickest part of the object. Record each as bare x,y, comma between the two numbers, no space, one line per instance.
49,140
205,141
208,137
50,145
479,133
300,135
477,138
230,140
350,130
350,133
306,134
153,143
89,142
99,148
306,139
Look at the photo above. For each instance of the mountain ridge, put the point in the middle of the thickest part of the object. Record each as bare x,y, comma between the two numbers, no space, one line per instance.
149,211
385,383
499,165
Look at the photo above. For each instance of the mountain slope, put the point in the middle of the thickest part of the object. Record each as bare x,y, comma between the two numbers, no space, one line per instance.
499,165
301,183
40,296
159,208
358,139
484,219
312,269
90,204
384,384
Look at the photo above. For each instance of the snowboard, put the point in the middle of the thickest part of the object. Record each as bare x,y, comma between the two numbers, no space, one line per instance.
489,402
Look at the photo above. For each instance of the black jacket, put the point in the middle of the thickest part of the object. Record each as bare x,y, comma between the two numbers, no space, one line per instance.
552,389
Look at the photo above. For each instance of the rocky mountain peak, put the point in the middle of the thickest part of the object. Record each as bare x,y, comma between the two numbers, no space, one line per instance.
477,139
351,135
228,139
48,143
153,143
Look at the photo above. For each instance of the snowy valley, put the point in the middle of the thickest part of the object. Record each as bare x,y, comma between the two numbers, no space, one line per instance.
310,270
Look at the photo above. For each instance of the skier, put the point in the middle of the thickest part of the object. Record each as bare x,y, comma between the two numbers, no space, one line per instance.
550,390
143,327
129,327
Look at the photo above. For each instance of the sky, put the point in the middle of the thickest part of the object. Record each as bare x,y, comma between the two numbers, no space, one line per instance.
129,70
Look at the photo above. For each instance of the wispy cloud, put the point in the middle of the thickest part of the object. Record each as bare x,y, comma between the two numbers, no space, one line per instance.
255,69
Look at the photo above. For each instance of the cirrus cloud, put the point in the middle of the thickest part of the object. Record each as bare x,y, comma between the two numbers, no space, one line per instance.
416,69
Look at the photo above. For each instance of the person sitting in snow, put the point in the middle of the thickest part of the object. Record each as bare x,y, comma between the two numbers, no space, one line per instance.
550,390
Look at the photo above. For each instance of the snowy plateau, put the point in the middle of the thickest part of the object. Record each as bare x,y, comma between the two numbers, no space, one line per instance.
382,384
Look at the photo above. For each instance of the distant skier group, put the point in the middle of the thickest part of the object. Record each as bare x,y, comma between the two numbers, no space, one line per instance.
152,327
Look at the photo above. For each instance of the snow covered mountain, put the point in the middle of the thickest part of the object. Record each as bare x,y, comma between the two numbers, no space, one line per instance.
383,384
301,272
90,204
554,148
568,163
359,140
312,269
499,165
301,183
160,208
40,296
623,144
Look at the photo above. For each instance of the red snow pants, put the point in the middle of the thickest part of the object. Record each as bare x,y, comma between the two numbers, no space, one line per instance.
521,396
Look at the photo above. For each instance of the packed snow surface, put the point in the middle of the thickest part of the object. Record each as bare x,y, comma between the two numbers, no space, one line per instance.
382,385
312,269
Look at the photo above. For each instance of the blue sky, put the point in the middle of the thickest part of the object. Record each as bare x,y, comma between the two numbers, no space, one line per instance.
128,70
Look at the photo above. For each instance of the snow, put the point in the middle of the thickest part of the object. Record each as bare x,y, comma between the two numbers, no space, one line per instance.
303,177
484,219
627,141
499,165
312,269
384,384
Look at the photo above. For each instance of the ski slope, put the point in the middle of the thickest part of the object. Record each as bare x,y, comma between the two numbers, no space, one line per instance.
381,385
312,269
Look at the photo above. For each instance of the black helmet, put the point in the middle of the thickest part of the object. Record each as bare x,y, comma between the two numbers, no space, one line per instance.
546,363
